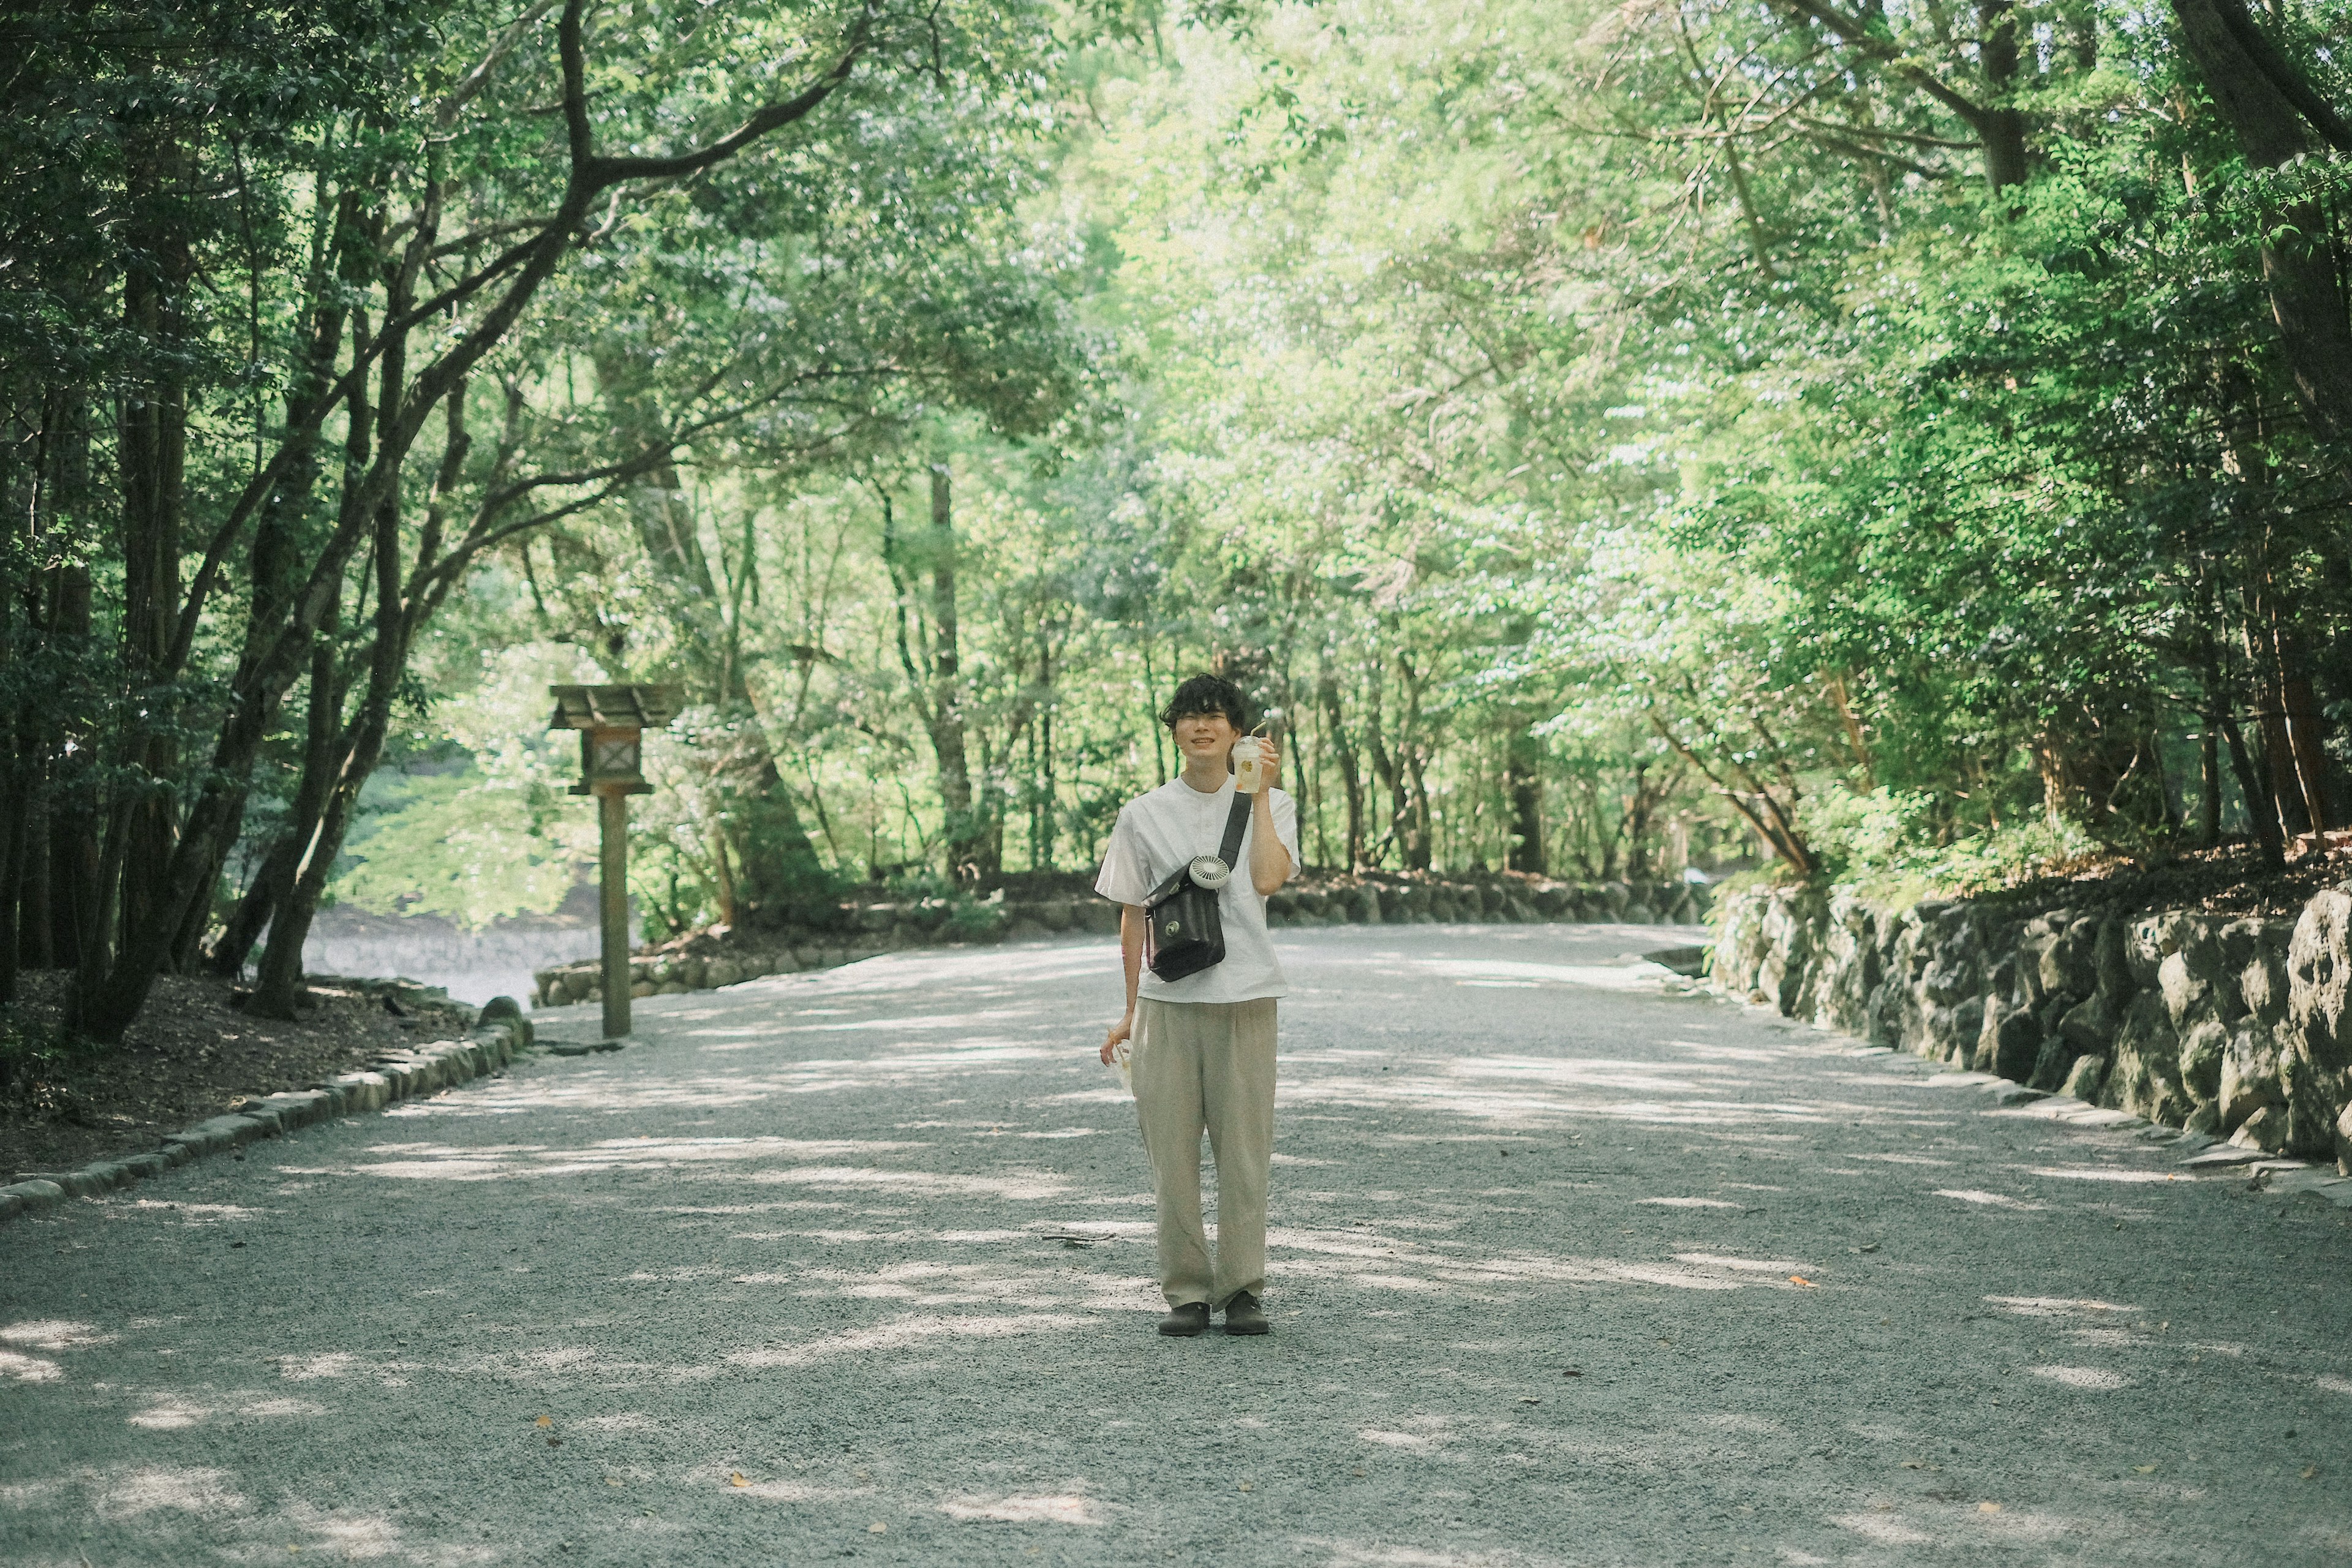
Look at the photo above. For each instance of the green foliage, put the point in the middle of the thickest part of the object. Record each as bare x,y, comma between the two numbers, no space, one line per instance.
1606,434
458,847
1897,849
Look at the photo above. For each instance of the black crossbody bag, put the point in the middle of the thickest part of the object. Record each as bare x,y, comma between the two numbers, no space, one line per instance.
1183,932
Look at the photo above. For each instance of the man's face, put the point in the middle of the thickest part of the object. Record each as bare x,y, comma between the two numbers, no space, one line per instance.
1205,735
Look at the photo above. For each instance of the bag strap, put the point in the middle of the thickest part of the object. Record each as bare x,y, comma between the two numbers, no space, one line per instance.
1236,821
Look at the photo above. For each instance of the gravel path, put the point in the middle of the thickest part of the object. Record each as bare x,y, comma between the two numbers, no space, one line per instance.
785,1280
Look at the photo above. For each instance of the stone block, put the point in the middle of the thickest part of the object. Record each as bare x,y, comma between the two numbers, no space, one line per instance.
110,1175
2083,1079
2026,988
2204,1045
2319,1031
2009,1041
2344,1141
68,1184
218,1133
642,988
300,1108
672,988
365,1090
2111,962
1967,1027
2262,985
2069,966
2144,1077
2265,1130
1055,915
2089,1025
2186,993
34,1194
2144,951
1364,908
2052,1061
148,1165
1935,1035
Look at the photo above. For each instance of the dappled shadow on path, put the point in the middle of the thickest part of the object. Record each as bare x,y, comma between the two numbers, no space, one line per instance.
1566,1270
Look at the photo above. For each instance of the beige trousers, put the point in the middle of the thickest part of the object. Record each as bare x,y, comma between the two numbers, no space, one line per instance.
1207,1066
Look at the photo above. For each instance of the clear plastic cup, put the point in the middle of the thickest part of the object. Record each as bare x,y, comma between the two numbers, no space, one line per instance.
1249,765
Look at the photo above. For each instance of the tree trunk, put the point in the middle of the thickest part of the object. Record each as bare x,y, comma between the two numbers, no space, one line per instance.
2003,129
1523,772
2208,785
1041,836
273,884
1351,778
966,835
152,443
278,988
2262,814
2275,116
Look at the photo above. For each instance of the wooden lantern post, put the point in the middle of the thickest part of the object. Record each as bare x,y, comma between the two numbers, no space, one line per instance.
612,721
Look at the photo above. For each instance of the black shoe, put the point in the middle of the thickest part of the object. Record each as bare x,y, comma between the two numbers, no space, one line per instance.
1245,1315
1184,1321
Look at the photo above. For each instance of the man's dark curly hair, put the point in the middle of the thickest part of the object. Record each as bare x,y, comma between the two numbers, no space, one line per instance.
1207,694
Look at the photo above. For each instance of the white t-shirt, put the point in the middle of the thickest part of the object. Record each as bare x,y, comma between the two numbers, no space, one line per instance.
1160,831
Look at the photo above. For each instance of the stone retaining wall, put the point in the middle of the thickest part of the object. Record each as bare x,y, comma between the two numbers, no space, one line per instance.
707,959
2228,1025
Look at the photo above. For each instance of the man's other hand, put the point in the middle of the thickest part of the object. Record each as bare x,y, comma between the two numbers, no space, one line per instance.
1118,1032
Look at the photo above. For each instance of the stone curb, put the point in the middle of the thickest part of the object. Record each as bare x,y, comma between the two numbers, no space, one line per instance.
503,1035
2203,1155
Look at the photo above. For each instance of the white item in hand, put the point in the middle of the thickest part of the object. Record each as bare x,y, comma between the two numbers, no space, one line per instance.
1249,765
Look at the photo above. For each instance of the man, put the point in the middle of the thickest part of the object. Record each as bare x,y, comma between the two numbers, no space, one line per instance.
1203,1047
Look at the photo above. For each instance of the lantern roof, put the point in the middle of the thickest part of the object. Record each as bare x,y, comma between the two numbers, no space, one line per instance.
614,706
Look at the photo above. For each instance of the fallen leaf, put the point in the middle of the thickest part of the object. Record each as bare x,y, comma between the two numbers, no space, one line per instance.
544,1422
1801,1279
734,1479
2144,1469
1573,1372
612,1480
1914,1464
1872,1247
877,1528
1529,1399
1248,1487
1358,1470
2310,1472
1988,1508
555,1442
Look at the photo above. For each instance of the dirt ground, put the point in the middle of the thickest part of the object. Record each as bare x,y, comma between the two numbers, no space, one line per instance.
190,1055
